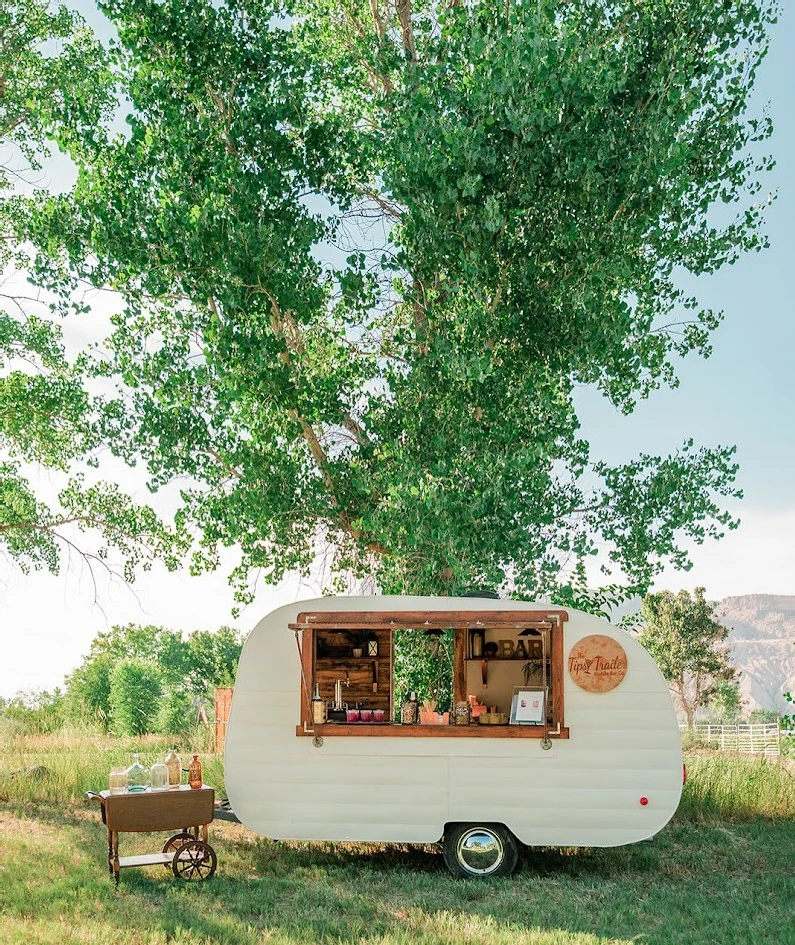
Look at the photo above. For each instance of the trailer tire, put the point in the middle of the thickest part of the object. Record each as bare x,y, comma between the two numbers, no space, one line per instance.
479,851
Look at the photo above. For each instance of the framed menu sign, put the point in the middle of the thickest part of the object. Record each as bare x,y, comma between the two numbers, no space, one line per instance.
527,706
597,663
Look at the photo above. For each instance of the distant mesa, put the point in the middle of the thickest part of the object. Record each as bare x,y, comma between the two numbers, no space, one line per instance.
762,640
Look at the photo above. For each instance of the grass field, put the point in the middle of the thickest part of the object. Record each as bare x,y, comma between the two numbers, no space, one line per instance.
722,872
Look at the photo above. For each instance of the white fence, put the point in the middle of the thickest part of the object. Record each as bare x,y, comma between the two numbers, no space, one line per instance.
754,739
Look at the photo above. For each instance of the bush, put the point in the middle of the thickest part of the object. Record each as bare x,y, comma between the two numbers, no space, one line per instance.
177,714
88,690
135,693
37,712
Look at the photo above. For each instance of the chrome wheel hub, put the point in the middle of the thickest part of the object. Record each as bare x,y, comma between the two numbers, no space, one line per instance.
479,851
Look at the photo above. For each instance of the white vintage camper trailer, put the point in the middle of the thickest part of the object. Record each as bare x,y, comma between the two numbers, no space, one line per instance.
598,764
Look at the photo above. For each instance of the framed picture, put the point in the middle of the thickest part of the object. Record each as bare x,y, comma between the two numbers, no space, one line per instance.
527,706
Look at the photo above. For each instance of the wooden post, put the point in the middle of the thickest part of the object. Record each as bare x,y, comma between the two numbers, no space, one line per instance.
460,653
223,703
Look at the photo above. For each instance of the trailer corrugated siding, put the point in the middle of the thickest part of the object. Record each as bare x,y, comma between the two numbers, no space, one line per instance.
584,791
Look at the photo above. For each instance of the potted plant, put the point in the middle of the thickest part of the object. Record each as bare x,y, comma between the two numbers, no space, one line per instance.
358,640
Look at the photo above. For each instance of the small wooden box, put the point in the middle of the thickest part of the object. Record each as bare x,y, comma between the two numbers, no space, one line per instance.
434,718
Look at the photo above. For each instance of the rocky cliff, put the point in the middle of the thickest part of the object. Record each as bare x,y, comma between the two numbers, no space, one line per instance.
762,639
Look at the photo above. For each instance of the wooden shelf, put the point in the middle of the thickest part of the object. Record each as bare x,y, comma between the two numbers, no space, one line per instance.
352,659
503,659
396,730
146,859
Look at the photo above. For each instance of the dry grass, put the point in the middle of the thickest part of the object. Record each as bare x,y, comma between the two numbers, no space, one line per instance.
65,765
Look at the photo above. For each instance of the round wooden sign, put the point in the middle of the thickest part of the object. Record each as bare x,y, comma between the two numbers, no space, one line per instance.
597,663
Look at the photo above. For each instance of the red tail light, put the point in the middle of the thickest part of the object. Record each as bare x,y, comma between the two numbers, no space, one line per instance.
684,774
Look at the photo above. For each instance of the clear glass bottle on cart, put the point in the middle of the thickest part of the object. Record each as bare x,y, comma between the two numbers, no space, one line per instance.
158,776
117,781
137,776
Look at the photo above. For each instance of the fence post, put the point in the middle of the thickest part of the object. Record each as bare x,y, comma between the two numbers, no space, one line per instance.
223,703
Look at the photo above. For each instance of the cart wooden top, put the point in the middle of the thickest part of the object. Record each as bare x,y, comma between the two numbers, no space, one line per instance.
157,810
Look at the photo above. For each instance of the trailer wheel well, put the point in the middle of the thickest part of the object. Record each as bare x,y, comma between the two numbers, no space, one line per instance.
479,849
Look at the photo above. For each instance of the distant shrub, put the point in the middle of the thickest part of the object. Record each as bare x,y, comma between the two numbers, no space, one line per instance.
36,712
135,693
88,690
692,740
763,717
177,714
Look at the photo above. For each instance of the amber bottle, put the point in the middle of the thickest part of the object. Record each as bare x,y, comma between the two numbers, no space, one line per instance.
195,772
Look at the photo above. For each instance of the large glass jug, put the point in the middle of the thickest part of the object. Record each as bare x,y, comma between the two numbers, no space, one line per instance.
137,776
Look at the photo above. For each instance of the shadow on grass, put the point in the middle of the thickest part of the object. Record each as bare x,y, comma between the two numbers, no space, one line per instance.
691,885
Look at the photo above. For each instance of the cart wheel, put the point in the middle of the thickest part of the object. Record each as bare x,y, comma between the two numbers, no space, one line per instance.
195,860
173,842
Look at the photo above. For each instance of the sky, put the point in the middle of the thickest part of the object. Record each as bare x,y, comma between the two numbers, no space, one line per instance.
744,394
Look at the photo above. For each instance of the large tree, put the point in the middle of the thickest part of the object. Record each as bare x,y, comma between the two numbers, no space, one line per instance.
366,254
689,645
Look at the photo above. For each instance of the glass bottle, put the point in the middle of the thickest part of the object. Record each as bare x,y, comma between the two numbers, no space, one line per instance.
137,776
173,763
117,781
195,772
408,714
158,775
318,707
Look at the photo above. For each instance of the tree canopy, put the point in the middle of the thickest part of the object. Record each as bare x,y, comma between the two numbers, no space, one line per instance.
55,86
688,643
147,678
367,253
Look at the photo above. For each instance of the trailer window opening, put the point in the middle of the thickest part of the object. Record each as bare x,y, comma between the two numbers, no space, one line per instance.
349,664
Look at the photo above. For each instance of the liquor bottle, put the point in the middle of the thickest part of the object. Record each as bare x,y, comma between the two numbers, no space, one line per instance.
195,772
318,707
408,714
174,765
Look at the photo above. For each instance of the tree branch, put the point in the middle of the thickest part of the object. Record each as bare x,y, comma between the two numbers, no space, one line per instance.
403,10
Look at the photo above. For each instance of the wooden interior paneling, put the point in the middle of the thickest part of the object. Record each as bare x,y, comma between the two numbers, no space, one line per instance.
333,661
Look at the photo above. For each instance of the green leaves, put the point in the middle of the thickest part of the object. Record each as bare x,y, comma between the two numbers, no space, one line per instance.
365,258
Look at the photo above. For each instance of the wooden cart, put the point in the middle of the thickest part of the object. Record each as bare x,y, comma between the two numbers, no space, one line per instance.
188,810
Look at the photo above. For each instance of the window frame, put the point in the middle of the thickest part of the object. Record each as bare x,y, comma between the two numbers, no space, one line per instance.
461,622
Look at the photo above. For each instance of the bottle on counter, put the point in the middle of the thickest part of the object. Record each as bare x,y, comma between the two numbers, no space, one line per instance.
195,772
408,714
318,707
477,643
173,763
461,713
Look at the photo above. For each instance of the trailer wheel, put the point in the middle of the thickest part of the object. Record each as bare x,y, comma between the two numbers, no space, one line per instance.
477,851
